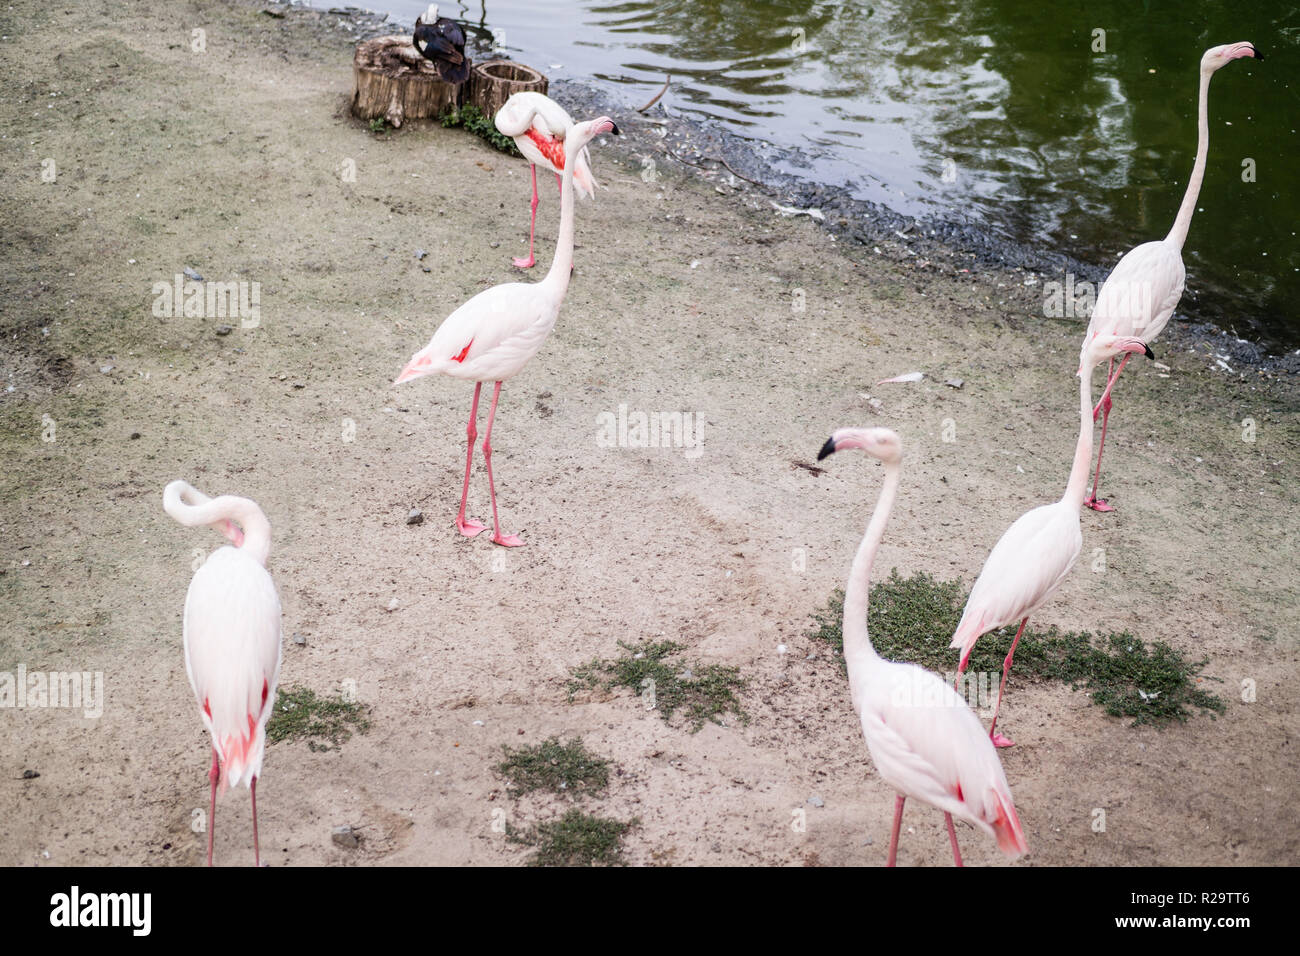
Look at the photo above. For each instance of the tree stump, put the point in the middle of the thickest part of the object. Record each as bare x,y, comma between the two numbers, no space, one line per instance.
493,82
396,82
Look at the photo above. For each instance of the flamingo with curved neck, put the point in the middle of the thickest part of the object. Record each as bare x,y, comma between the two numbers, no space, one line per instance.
923,738
1034,555
232,639
494,335
1140,295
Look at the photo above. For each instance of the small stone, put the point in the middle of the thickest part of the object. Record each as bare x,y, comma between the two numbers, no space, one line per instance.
816,801
392,605
224,329
478,723
134,435
193,274
494,245
31,774
426,268
781,648
106,369
299,639
345,837
416,516
420,254
954,383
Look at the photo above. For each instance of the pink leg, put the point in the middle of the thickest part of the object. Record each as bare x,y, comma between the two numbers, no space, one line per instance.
468,526
213,776
1092,501
532,229
952,838
506,540
252,786
998,739
893,836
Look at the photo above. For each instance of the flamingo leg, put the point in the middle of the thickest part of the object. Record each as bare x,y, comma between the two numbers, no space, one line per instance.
532,228
998,739
213,776
1092,501
952,838
252,786
505,540
893,835
468,526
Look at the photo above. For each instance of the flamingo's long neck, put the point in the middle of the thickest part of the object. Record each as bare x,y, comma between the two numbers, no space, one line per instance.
1178,234
858,652
557,277
1077,486
192,508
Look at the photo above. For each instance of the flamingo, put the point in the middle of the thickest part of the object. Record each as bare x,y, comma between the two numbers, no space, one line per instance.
1034,555
493,335
1140,295
442,42
232,639
923,738
540,127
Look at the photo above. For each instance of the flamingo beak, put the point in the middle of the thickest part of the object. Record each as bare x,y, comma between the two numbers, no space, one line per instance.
828,449
408,373
1146,348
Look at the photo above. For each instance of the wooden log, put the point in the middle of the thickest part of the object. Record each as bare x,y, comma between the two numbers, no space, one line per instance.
395,81
492,82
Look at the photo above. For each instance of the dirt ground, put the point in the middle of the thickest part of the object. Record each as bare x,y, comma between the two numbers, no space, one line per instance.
232,161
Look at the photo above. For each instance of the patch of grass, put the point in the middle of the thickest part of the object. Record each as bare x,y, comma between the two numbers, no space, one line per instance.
561,768
325,723
378,125
703,692
473,120
576,839
913,619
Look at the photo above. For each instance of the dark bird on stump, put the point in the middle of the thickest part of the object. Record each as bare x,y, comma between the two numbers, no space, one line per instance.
442,41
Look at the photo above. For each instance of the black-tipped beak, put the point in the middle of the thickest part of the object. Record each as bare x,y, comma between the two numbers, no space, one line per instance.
1150,354
827,449
1258,55
615,130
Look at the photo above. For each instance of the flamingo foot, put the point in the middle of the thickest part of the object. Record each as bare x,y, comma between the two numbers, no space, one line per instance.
524,263
468,526
1098,504
1001,740
508,540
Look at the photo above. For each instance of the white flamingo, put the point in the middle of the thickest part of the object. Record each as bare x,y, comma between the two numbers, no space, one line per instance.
1034,555
924,740
232,639
493,335
1141,293
539,127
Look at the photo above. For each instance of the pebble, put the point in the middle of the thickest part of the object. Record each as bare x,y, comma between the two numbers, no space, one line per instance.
299,639
193,274
954,383
31,774
415,517
392,605
106,369
345,837
224,329
134,435
816,801
420,254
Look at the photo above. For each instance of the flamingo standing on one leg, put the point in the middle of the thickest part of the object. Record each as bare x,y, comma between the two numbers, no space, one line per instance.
493,335
1139,296
540,127
1034,555
925,741
232,639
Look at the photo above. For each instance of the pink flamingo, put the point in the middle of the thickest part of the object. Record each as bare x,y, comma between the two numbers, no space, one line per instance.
232,639
540,127
1139,296
493,335
925,741
1035,554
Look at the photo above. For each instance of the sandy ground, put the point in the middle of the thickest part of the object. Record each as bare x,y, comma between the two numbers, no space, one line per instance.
230,161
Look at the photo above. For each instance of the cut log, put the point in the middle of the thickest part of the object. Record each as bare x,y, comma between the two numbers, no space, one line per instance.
493,82
395,81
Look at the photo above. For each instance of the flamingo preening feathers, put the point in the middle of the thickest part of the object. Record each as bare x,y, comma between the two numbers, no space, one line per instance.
540,126
492,336
1140,295
923,738
232,639
1034,555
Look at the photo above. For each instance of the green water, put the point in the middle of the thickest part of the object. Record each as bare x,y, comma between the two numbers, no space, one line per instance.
1052,143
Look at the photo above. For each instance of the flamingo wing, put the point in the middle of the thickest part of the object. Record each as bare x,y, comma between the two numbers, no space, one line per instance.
232,657
1028,563
927,743
1140,294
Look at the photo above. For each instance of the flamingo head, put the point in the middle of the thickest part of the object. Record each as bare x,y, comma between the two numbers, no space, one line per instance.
1220,56
421,364
882,443
580,134
232,531
1103,347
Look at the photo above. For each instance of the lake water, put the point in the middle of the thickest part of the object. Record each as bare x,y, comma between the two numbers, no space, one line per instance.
1045,137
